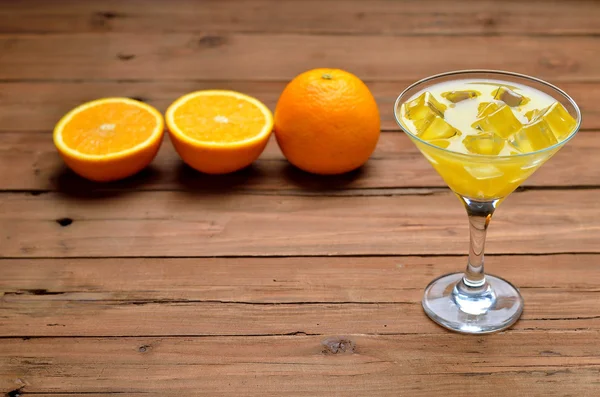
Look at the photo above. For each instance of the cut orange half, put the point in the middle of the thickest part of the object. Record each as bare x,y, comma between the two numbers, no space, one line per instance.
217,131
109,139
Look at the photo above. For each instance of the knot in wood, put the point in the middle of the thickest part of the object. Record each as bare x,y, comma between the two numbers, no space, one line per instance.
338,345
212,41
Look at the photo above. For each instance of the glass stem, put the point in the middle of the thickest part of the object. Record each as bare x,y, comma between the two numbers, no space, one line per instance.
480,214
473,294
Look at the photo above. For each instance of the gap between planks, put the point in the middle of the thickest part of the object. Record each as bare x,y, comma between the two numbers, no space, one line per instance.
347,192
300,334
308,256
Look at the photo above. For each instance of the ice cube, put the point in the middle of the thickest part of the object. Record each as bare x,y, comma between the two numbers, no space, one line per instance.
483,171
441,143
424,107
510,97
533,137
458,96
501,122
512,149
486,144
534,114
438,128
486,108
509,150
559,120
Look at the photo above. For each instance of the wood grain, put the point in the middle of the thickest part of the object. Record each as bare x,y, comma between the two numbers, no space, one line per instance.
25,317
461,17
277,57
212,223
553,364
525,381
276,280
396,163
38,106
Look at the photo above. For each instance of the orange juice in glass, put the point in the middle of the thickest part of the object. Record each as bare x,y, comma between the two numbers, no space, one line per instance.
484,132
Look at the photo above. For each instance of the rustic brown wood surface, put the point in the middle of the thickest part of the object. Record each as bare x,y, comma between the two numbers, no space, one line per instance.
48,101
395,164
270,281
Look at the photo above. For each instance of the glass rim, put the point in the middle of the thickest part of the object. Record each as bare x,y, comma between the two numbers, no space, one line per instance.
486,71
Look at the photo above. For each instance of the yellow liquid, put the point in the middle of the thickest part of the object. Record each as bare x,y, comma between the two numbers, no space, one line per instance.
485,176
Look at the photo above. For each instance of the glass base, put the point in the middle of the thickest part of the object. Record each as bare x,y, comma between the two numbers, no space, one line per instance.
494,307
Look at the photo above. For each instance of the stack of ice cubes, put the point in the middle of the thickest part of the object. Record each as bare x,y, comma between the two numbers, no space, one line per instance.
496,123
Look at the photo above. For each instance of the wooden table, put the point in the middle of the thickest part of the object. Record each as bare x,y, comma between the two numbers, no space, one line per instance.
273,282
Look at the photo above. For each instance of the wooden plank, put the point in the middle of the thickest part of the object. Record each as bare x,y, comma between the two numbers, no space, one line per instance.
275,280
24,317
38,106
212,223
551,363
183,56
474,17
396,163
560,384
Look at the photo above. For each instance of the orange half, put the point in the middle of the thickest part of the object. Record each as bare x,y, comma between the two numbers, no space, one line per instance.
217,131
109,139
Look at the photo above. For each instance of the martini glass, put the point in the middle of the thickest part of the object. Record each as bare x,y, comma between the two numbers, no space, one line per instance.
471,301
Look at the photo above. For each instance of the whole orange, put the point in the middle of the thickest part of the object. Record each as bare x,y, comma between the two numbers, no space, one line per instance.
327,121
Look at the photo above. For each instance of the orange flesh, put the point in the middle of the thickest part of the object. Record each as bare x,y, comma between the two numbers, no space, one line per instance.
108,128
219,118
